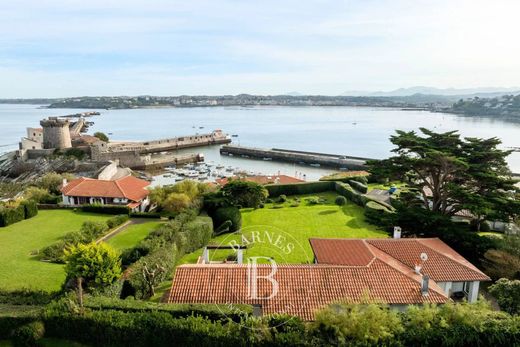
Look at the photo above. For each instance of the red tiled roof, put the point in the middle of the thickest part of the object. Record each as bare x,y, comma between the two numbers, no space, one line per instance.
281,179
443,264
302,289
129,187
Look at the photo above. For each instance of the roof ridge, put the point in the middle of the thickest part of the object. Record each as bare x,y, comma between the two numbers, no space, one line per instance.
123,193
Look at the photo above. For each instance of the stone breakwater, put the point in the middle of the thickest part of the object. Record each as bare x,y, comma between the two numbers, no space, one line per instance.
300,157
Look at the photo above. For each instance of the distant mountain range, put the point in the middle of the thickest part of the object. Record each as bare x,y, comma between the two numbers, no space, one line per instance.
450,92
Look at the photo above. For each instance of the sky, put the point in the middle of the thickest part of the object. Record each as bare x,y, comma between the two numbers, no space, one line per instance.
60,48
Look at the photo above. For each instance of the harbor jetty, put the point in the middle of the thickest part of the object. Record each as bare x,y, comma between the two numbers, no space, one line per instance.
336,161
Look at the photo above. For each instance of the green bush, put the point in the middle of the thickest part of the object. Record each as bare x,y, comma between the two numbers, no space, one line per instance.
26,297
340,200
117,220
150,215
54,252
223,228
303,188
312,200
11,214
8,324
282,198
228,213
507,293
360,187
106,209
28,334
347,191
30,208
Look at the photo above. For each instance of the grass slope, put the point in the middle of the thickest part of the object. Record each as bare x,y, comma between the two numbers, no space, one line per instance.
18,268
295,225
132,234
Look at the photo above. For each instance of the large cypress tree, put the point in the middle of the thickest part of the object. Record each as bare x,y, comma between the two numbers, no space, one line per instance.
451,174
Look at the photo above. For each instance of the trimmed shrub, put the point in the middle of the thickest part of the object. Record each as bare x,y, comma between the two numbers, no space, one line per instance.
276,190
105,209
117,220
145,215
312,200
224,228
340,200
28,334
360,187
26,297
360,176
282,198
228,213
10,215
30,208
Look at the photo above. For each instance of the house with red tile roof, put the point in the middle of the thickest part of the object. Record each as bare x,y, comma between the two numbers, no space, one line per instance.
430,257
399,272
128,191
262,179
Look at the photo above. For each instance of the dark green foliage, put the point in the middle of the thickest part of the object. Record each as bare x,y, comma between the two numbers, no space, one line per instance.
224,214
214,201
282,198
351,194
11,214
160,250
75,153
89,231
276,190
244,193
312,200
507,293
101,136
117,220
8,324
30,208
378,214
26,297
340,200
360,187
150,215
28,334
223,228
212,312
106,209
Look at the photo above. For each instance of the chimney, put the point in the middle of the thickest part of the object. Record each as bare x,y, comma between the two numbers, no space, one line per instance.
64,183
424,285
397,232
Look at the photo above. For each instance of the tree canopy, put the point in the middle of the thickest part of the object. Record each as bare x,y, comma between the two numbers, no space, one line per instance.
450,174
245,194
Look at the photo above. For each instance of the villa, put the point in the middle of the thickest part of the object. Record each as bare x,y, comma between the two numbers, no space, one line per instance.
399,272
127,191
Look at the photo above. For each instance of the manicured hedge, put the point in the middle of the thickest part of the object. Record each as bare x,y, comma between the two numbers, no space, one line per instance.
150,215
9,324
106,209
30,208
212,312
224,214
117,220
10,215
276,190
360,187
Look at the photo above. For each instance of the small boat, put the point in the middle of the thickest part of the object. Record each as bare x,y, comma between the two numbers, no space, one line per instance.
110,133
234,135
192,174
220,167
244,156
178,178
201,127
315,165
268,159
167,175
229,168
203,177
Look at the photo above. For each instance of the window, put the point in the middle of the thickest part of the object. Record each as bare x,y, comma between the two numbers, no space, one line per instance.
465,287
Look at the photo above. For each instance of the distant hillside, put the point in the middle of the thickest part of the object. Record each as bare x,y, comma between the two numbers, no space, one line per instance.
505,107
448,92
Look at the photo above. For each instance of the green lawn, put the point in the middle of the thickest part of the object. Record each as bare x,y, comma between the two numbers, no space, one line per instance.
295,225
132,234
19,243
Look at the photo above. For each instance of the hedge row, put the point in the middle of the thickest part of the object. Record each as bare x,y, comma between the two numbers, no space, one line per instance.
350,325
105,209
151,215
161,249
276,190
117,220
14,214
212,312
351,194
225,214
360,187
